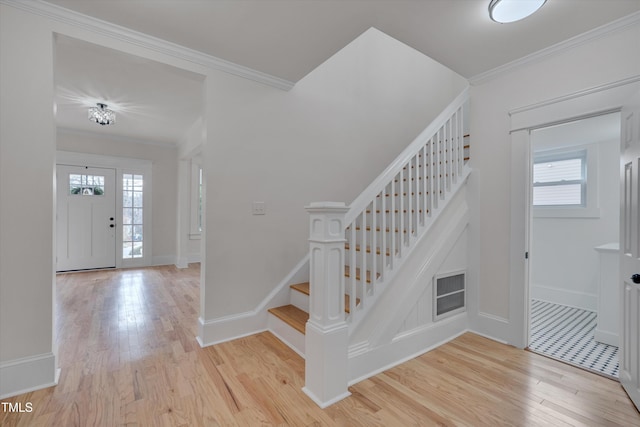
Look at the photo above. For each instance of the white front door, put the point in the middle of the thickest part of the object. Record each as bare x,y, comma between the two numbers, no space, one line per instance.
629,350
86,218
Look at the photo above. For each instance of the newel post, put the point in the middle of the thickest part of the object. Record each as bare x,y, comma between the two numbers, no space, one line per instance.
326,337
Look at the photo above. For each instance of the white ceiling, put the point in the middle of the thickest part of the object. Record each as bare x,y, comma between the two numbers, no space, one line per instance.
289,38
153,102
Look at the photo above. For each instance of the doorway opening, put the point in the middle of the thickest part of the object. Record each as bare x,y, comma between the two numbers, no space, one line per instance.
575,205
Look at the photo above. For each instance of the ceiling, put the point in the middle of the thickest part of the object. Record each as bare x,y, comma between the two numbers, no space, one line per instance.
289,38
153,102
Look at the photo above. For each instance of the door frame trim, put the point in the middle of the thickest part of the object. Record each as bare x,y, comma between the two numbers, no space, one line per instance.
121,165
583,104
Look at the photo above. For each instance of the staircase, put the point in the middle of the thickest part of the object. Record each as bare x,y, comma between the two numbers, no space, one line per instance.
356,251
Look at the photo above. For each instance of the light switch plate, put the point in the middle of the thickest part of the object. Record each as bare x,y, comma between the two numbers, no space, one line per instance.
258,208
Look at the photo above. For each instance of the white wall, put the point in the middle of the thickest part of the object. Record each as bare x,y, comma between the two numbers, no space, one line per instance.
27,149
564,265
27,153
326,139
164,186
597,62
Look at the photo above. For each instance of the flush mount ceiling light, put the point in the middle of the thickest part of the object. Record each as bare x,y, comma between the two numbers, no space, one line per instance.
102,115
504,11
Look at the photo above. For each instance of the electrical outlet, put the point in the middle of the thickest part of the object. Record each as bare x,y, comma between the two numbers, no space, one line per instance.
258,208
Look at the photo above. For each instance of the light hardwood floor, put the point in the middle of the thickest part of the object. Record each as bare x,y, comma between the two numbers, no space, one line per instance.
129,357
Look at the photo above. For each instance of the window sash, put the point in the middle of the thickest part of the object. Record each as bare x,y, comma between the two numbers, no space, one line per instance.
561,184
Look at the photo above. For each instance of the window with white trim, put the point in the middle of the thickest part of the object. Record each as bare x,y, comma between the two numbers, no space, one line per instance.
560,179
197,189
132,216
565,182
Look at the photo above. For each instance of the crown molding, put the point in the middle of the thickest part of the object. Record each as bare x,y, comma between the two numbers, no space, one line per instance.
127,35
592,90
570,43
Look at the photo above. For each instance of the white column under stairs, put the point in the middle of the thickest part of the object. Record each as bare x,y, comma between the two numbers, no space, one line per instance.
327,333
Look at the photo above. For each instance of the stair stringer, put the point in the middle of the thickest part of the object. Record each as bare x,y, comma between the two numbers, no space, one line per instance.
375,344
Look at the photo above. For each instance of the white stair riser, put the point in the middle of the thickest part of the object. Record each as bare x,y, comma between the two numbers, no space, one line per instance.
299,299
287,334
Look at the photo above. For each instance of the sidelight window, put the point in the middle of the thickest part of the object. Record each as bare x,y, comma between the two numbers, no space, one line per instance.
132,216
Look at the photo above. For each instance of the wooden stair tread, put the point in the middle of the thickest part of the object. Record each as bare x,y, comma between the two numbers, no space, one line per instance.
291,315
301,287
304,288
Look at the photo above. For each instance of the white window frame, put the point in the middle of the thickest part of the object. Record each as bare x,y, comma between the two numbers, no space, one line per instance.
195,226
590,207
122,165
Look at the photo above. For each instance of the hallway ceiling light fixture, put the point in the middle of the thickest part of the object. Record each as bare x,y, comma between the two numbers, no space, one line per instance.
102,115
505,11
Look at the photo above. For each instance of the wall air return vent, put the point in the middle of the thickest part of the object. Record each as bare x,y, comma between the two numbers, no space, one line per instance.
449,295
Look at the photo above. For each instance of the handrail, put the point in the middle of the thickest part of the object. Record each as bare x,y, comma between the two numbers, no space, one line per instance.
361,202
356,249
385,222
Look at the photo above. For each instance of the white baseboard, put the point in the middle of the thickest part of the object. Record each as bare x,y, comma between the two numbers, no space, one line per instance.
367,363
240,325
28,374
320,402
606,337
490,326
229,328
582,300
164,260
184,261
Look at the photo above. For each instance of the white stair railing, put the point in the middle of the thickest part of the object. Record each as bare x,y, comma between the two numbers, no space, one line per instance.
385,222
379,230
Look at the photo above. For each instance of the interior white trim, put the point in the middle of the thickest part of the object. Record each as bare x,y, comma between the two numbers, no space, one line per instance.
589,91
572,42
288,335
98,160
28,374
364,365
119,138
164,260
229,328
127,35
590,102
124,165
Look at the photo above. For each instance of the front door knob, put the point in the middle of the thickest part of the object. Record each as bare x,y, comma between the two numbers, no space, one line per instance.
635,278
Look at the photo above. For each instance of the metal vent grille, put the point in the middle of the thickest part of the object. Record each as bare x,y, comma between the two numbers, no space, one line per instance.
450,295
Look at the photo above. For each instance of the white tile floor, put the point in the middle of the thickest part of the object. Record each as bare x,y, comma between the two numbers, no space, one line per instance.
566,333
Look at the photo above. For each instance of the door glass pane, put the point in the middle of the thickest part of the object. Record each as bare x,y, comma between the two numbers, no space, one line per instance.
86,185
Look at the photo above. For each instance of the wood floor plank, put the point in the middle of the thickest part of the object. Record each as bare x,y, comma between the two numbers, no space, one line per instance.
129,357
